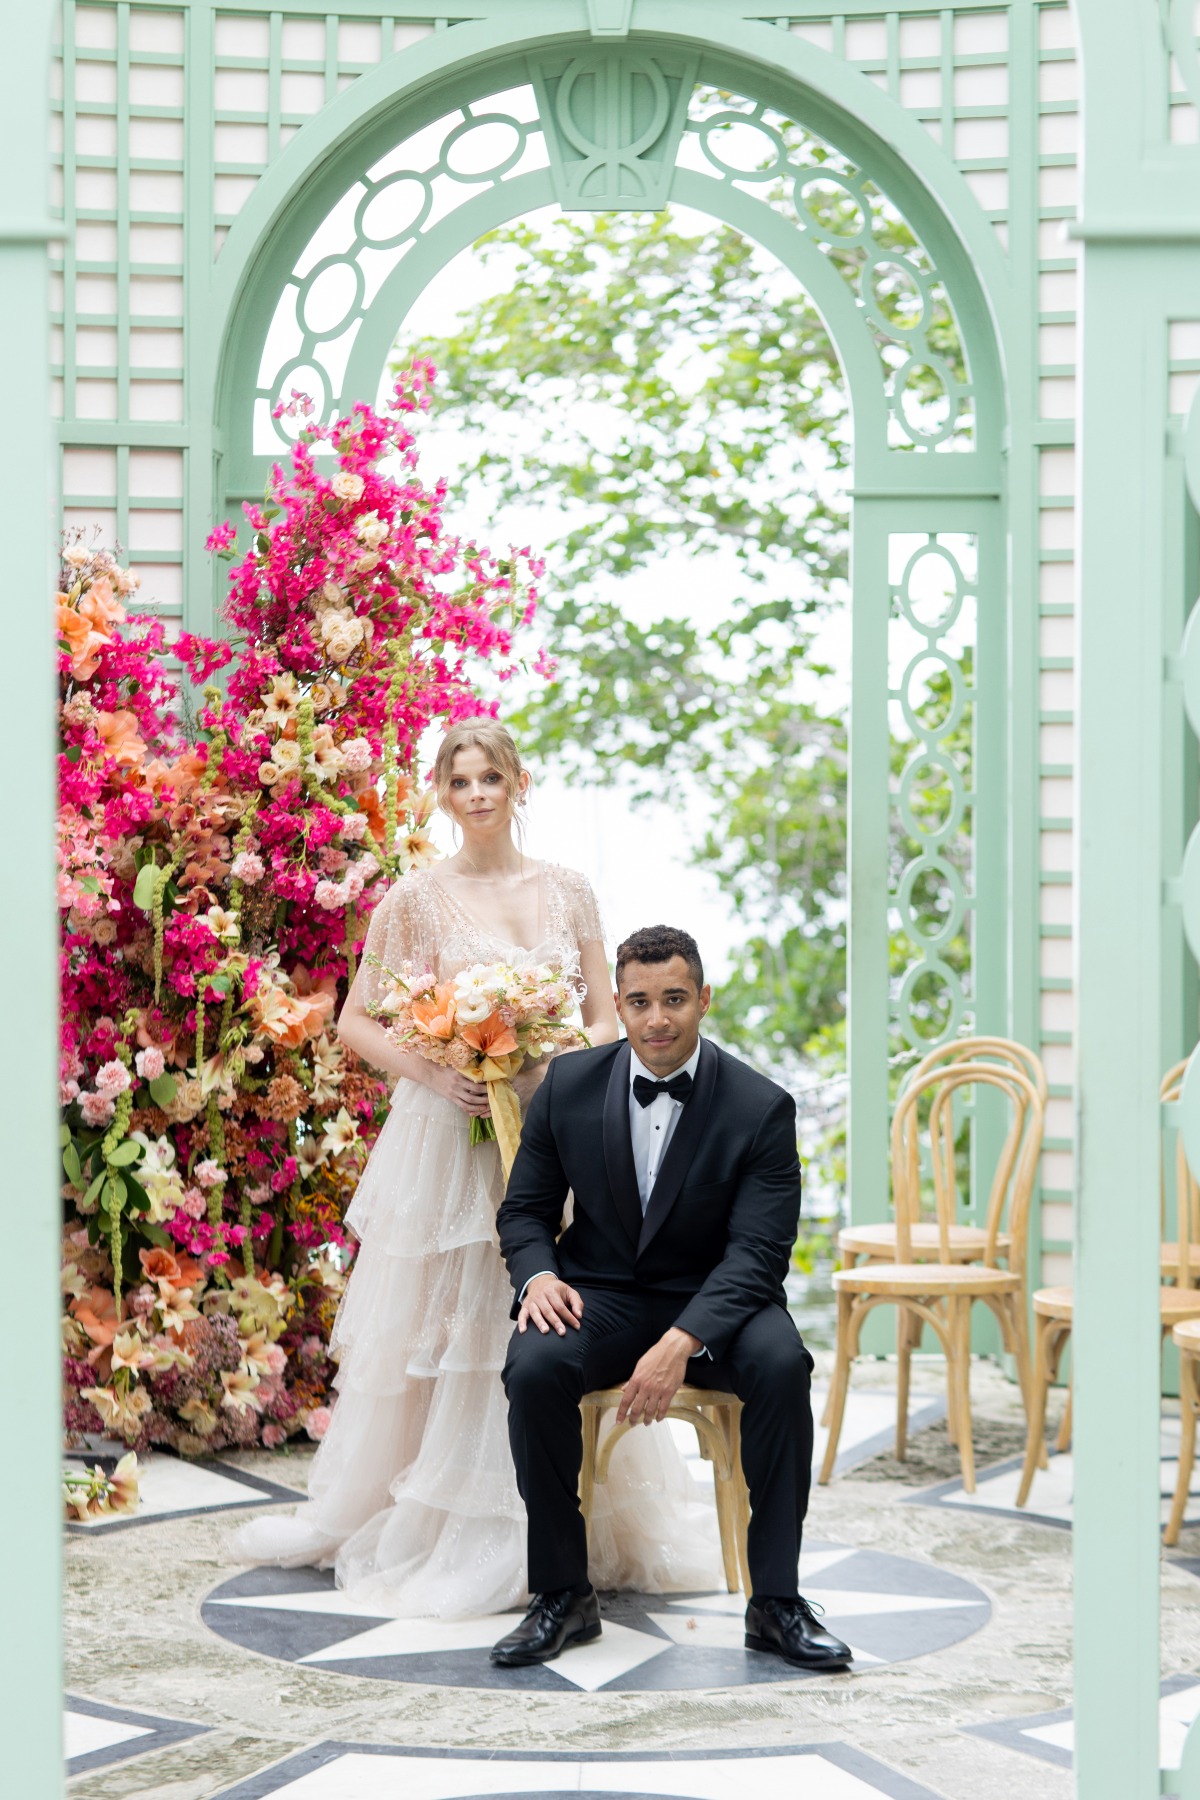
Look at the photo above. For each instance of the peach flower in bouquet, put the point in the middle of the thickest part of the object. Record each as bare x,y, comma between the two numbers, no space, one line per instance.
487,1022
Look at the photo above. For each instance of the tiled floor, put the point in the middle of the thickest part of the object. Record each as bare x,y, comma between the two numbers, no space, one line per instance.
1050,1498
888,1608
95,1735
360,1772
1051,1736
170,1487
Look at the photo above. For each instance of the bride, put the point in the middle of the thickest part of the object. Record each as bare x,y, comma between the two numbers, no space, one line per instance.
412,1494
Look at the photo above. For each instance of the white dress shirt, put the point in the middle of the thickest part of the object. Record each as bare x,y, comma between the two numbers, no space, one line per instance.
651,1127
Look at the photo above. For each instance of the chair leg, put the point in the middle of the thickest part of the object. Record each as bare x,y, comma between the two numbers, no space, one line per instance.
960,1380
1063,1440
1187,1446
1024,1362
587,1471
850,1261
741,1495
840,1384
727,1523
1035,1424
904,1349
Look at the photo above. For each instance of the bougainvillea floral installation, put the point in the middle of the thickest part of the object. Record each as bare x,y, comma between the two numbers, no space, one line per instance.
216,878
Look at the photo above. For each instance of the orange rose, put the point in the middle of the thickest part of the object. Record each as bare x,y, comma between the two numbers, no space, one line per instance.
435,1017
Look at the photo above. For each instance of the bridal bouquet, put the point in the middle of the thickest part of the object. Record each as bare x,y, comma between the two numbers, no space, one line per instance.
487,1023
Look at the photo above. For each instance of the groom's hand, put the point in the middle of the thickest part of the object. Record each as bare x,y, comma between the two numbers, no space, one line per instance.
551,1305
657,1379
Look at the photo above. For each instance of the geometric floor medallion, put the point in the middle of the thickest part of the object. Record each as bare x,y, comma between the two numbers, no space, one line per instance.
888,1608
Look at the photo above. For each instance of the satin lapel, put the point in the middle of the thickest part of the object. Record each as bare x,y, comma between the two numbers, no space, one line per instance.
618,1147
682,1147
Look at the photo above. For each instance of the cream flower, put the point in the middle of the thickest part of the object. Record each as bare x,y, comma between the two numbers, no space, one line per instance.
348,486
285,754
123,1485
341,1134
371,530
223,923
200,1416
325,759
269,773
240,1390
327,1069
415,850
128,1351
282,701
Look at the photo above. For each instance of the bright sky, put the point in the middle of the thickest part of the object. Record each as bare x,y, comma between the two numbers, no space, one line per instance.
636,857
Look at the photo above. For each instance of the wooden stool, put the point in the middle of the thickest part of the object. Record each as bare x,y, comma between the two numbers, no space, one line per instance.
716,1419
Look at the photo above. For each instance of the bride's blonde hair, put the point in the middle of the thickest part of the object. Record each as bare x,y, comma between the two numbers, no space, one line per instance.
497,744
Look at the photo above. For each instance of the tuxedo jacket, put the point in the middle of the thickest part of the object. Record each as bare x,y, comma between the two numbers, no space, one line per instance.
722,1215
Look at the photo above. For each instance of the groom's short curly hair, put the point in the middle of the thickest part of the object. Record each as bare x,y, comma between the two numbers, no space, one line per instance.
658,944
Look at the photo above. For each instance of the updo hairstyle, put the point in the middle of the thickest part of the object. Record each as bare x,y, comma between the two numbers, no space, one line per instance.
496,742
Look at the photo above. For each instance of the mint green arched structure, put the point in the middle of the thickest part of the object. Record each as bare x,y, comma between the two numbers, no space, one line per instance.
199,148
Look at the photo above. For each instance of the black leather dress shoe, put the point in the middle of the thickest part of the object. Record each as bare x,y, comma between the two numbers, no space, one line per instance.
553,1623
789,1628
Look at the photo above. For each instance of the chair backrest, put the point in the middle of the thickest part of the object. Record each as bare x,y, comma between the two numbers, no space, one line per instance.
1016,1167
983,1049
1187,1189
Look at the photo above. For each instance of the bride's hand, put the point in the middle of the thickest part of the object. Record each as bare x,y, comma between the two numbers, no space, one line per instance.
469,1096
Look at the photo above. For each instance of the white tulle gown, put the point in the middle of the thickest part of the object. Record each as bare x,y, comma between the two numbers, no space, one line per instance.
413,1500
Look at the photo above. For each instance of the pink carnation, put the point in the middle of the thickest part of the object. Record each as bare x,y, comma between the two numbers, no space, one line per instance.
67,1091
273,1436
354,828
248,867
150,1063
356,757
316,1422
97,1109
193,1203
329,895
112,1079
209,1172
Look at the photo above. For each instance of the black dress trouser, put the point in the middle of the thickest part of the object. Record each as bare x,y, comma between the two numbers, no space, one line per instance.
546,1376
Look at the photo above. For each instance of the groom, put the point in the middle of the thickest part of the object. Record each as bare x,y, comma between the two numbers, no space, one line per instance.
686,1183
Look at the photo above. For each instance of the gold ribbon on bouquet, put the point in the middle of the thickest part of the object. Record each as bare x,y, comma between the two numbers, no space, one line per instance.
497,1072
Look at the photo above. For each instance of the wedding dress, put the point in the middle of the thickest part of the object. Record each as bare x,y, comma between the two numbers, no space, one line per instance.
413,1500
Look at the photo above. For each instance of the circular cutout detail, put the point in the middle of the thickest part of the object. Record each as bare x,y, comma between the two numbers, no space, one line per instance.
914,910
928,820
894,294
938,716
330,296
831,208
925,400
744,148
940,1009
393,211
482,149
305,378
931,591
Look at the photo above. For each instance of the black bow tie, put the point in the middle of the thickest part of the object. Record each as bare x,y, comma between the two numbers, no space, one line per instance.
645,1092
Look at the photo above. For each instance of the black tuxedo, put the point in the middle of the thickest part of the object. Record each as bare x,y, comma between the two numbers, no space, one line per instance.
709,1256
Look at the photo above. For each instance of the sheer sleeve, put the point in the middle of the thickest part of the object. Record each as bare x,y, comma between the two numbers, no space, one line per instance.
581,907
399,932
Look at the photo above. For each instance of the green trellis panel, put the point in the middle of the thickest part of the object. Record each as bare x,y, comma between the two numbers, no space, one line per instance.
200,146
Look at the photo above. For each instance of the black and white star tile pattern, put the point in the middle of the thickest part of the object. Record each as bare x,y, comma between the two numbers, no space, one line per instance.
172,1487
95,1735
833,1771
1051,1498
888,1608
1050,1736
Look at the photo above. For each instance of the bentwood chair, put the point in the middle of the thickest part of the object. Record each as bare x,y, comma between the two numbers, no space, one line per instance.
941,1293
716,1419
1054,1307
1186,1338
966,1243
